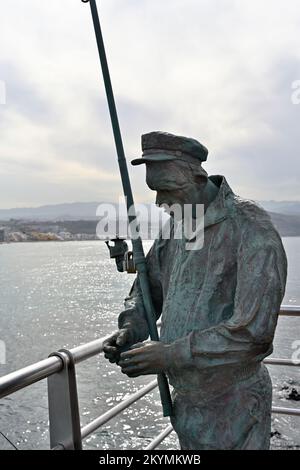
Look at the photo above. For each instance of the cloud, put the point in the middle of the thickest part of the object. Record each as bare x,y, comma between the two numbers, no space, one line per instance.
218,70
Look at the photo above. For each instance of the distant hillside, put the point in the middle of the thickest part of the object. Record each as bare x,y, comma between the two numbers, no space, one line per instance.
72,211
287,222
287,225
282,207
58,212
87,211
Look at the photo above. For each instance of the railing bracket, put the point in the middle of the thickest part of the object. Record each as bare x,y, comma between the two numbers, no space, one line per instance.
64,416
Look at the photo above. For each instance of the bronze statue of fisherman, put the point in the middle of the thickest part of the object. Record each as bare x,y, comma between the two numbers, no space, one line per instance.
218,305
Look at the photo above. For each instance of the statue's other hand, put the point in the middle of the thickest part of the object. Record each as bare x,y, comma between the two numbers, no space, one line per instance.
118,342
149,357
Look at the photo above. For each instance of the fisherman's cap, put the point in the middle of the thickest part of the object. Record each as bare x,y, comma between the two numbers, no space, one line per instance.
162,146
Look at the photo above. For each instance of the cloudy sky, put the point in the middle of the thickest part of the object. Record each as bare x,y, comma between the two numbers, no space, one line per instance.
217,70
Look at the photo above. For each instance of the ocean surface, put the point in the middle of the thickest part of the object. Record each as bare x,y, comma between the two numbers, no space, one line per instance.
55,295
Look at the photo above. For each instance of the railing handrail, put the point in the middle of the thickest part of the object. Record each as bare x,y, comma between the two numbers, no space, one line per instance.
290,311
56,364
33,373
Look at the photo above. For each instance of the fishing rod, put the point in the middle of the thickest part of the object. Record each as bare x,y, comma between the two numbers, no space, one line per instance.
138,251
10,442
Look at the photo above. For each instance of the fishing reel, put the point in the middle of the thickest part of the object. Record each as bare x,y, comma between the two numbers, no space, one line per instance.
121,254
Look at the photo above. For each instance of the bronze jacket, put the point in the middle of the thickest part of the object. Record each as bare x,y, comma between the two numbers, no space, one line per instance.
218,305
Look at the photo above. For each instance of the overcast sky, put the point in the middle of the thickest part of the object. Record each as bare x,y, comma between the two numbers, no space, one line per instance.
220,71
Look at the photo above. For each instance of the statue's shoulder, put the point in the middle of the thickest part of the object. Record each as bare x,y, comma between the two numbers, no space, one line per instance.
254,221
257,234
250,211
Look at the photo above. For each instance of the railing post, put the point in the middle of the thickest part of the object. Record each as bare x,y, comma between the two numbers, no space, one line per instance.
64,419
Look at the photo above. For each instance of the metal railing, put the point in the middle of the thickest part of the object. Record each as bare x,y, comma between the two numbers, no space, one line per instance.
60,370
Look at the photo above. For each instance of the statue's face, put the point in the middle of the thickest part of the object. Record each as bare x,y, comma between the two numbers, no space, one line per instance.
167,176
173,182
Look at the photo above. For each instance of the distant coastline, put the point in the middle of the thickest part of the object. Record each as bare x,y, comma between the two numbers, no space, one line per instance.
78,221
22,231
18,231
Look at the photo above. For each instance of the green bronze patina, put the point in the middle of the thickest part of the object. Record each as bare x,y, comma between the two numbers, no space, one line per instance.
218,305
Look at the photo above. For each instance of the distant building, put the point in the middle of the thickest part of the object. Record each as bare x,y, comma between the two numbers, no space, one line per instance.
2,235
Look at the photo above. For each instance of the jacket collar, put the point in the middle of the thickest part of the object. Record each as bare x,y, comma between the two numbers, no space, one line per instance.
218,210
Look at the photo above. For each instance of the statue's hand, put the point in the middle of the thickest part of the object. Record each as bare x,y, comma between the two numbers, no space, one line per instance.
149,357
115,344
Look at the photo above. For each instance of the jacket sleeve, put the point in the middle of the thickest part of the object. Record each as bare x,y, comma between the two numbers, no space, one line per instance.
134,316
248,334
